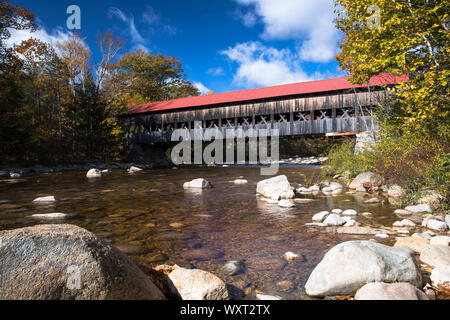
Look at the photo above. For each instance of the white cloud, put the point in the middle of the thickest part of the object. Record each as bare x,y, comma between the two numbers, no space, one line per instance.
310,21
260,65
135,36
17,36
249,18
201,87
216,71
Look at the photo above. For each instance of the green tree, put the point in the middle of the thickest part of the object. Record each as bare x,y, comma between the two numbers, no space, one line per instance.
412,38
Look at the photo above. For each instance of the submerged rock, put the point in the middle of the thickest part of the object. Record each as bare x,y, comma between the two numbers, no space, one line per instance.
52,216
350,265
195,284
65,262
202,254
197,184
389,291
233,268
48,199
275,188
286,204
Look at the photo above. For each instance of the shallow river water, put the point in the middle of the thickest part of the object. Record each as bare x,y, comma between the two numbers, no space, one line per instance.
209,227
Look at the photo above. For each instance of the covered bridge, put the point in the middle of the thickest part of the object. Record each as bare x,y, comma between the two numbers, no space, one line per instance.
323,107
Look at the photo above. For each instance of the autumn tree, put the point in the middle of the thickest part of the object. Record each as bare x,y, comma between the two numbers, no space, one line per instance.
401,37
154,77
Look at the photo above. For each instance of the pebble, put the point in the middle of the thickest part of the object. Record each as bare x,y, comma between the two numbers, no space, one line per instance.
349,212
290,256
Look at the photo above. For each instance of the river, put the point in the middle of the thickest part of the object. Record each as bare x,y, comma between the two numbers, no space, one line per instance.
209,227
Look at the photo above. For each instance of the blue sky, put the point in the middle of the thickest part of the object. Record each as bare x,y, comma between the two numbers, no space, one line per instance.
224,45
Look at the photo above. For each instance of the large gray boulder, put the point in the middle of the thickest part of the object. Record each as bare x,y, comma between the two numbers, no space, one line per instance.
390,291
365,177
275,188
195,284
350,265
65,262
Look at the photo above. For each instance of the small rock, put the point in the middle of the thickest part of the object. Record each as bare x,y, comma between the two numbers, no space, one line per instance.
403,212
352,223
15,175
177,225
49,199
366,214
233,268
290,256
134,169
381,236
389,291
319,217
303,201
420,208
94,173
402,231
349,212
437,225
267,297
336,211
405,223
240,181
366,177
334,220
197,284
197,184
440,240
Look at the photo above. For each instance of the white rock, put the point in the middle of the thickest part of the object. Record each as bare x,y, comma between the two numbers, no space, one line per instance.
436,256
440,276
352,223
336,192
314,188
366,214
372,201
271,201
286,204
405,223
440,240
447,220
304,190
290,256
315,224
195,284
267,297
15,175
349,212
420,208
436,225
337,211
134,169
48,199
275,188
382,236
334,220
390,291
240,181
366,177
197,184
402,231
94,173
320,216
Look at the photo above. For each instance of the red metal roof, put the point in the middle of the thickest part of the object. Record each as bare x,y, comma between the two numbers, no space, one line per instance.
263,93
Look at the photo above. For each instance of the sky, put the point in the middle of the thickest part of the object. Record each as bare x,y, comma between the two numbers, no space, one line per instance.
224,45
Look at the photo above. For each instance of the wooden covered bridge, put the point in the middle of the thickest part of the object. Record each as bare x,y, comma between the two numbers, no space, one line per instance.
324,107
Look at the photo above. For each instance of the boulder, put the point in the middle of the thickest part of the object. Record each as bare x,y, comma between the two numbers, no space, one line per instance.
414,243
365,177
396,191
49,199
195,284
436,256
94,173
420,208
334,220
197,184
275,188
389,291
65,262
350,265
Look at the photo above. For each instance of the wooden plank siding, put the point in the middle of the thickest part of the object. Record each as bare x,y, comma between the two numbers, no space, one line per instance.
331,112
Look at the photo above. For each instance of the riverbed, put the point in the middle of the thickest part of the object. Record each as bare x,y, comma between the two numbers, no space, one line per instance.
155,221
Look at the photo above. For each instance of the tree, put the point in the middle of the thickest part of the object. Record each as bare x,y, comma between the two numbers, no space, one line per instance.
154,77
412,38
